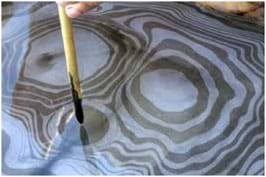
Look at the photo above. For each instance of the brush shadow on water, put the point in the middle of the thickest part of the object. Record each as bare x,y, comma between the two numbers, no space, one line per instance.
94,127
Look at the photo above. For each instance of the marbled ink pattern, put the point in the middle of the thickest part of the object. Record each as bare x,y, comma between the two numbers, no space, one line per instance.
168,90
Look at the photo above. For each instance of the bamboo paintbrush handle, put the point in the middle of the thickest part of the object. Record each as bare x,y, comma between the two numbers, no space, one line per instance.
71,62
69,47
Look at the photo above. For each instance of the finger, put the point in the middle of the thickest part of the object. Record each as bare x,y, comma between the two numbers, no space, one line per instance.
76,9
92,5
72,12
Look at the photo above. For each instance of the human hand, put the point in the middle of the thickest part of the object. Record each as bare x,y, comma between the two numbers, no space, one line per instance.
77,8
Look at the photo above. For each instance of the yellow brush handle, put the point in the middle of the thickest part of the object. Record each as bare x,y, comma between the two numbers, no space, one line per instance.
69,47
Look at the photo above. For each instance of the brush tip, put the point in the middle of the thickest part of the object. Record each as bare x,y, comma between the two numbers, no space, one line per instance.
79,112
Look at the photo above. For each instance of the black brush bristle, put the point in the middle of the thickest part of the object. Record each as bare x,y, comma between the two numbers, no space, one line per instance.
77,102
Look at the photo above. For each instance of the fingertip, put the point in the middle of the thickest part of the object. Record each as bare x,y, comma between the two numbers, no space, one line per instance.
72,12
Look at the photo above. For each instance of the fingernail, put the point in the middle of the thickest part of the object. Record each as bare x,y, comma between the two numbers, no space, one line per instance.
69,7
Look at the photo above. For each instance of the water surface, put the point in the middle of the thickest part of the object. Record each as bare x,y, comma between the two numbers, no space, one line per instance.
168,89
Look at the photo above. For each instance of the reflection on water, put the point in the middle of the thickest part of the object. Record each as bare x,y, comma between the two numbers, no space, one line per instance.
168,89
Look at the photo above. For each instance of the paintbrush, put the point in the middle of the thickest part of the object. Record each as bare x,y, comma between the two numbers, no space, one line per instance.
72,69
